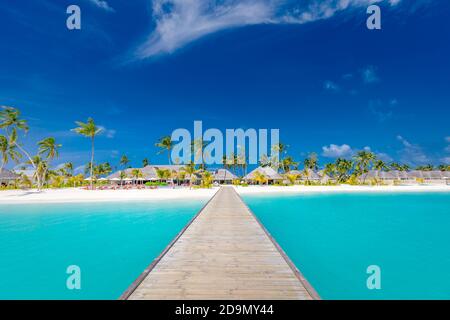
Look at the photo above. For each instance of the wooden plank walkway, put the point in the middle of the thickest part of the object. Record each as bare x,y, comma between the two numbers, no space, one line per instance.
224,253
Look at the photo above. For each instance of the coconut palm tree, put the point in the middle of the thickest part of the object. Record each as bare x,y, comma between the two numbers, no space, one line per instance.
207,179
12,123
363,160
145,162
260,178
68,167
8,152
40,173
165,144
330,170
89,129
343,167
48,148
124,161
190,170
122,176
310,164
137,174
291,177
287,163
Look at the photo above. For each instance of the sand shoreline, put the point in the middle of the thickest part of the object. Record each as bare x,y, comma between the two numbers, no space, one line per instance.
79,195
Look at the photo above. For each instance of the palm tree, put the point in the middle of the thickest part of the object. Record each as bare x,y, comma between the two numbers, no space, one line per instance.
40,173
89,130
260,177
49,148
287,163
68,167
207,179
8,152
12,123
124,161
310,164
343,167
291,177
145,163
165,144
190,170
380,165
330,170
428,167
122,176
137,174
363,160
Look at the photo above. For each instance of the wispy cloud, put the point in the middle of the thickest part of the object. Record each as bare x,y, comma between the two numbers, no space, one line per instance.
179,22
109,133
383,111
331,86
102,4
369,75
412,153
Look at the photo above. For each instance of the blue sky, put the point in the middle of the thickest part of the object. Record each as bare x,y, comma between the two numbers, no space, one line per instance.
310,68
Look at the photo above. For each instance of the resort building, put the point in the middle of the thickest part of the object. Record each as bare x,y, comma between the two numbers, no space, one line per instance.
269,173
168,174
408,177
6,177
223,176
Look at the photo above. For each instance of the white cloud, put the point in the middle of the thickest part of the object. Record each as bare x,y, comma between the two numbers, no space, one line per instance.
102,4
331,86
335,151
179,22
382,111
109,133
412,153
369,75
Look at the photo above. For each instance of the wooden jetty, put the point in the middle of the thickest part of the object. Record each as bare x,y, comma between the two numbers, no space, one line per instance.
223,253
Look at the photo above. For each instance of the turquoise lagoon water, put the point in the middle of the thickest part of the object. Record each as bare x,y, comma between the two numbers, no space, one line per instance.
333,238
112,243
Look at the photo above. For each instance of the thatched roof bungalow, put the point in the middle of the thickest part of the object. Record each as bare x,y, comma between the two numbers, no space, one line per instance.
270,174
7,176
224,176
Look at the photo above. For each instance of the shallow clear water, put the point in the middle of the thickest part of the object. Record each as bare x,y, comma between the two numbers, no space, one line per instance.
333,238
112,243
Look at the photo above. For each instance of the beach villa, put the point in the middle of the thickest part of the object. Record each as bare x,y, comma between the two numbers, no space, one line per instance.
271,176
7,177
174,173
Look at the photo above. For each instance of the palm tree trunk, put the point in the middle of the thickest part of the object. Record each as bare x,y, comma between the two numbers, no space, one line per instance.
31,161
168,155
92,164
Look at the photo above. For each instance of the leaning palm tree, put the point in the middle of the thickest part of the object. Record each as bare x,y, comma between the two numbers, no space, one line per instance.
68,168
165,144
89,130
49,148
343,168
124,161
363,160
12,123
8,152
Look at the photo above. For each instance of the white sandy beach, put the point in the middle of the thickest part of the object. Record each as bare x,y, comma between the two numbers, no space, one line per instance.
81,195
